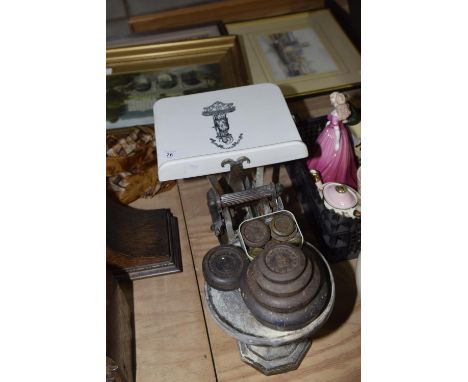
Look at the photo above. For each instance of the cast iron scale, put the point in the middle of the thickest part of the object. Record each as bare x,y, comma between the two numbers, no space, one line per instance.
236,197
264,286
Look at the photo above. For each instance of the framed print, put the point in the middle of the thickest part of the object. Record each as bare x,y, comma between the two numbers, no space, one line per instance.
137,76
304,53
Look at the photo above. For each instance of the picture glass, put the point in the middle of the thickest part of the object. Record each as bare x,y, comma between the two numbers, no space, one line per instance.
295,53
130,97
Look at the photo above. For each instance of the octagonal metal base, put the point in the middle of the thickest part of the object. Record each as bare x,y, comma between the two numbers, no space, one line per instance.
268,350
271,360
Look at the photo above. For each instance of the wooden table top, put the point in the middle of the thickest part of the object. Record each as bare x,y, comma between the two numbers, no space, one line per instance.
178,340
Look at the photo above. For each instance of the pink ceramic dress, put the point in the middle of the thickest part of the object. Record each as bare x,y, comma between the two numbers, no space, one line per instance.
334,166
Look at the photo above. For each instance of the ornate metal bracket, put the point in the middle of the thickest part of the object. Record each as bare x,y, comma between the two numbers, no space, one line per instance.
236,196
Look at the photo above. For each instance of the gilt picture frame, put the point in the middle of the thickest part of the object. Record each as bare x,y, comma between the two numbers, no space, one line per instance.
137,76
304,54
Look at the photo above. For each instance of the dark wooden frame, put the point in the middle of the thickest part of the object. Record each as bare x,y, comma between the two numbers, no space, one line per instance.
137,245
226,11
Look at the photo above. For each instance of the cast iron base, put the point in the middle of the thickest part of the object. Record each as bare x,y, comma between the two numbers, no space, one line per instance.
269,351
271,360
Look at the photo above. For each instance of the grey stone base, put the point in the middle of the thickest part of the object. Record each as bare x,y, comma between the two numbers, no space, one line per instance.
271,360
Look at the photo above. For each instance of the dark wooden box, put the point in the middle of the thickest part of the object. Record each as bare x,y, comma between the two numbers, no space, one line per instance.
141,243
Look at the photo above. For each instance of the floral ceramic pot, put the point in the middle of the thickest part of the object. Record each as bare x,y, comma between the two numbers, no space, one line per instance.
342,199
339,196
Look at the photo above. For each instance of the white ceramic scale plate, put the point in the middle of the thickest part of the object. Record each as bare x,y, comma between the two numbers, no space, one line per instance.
195,133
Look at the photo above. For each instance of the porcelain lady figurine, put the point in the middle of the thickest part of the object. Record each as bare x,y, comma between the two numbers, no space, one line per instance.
334,156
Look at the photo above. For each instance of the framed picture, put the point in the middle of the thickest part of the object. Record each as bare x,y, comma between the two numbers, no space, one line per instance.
304,53
192,33
137,76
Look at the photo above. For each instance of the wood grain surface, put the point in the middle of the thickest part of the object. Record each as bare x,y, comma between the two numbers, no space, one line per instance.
141,243
172,341
120,346
171,338
335,352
